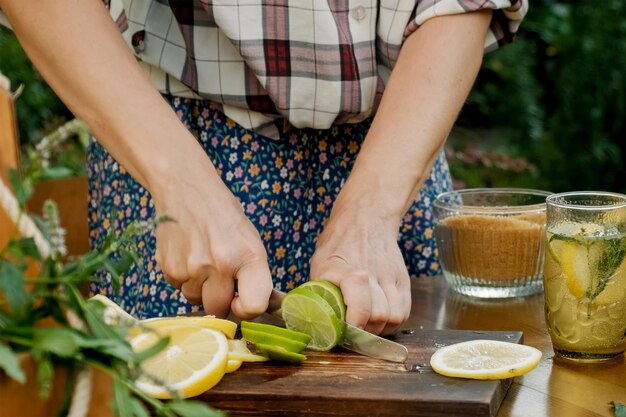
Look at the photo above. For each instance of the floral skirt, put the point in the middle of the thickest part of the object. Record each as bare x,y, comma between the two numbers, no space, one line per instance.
286,187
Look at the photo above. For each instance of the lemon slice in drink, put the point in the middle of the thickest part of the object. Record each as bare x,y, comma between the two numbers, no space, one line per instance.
192,363
210,322
307,312
329,292
575,264
485,359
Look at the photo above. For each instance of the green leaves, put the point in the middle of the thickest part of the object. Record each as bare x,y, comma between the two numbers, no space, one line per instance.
12,285
10,364
61,341
22,189
618,408
54,295
192,409
613,253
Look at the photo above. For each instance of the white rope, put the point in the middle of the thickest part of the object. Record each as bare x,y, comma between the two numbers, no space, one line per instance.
81,396
24,223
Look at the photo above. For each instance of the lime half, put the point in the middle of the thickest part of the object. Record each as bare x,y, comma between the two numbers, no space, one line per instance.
307,312
329,292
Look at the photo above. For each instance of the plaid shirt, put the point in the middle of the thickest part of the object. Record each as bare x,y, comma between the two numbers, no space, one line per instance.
273,63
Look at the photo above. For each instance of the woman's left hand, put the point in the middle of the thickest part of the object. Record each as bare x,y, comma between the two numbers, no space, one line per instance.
358,252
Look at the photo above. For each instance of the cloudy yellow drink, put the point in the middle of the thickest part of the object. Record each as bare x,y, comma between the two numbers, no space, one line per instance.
585,274
585,292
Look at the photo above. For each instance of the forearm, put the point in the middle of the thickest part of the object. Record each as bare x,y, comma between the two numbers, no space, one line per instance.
79,51
427,88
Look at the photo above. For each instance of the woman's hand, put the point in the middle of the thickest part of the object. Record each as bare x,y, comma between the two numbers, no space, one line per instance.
210,244
358,252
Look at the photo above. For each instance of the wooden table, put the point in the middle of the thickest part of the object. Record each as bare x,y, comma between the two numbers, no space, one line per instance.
555,388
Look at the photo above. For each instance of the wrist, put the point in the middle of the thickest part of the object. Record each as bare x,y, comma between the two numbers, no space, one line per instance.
379,196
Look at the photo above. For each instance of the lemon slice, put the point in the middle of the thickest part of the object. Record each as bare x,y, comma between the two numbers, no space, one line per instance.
329,292
232,365
307,312
192,363
238,351
210,322
575,264
113,313
485,359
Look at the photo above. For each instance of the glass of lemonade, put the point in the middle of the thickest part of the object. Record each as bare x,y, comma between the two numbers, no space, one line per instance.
585,275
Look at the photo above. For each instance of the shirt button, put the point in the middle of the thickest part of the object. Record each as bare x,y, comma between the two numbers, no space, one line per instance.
358,13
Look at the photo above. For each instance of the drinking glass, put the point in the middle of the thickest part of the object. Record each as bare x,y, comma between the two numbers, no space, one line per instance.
585,275
490,241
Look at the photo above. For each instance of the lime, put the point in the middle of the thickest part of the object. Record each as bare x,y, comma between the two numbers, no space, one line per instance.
485,359
257,337
279,353
275,330
329,292
307,312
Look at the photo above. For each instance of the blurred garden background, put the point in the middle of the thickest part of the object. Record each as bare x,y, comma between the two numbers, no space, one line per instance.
548,111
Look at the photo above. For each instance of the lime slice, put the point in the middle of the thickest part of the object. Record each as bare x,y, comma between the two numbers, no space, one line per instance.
307,312
257,337
485,359
279,353
275,330
329,292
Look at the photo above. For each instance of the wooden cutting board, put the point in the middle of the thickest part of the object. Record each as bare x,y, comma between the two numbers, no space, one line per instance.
342,383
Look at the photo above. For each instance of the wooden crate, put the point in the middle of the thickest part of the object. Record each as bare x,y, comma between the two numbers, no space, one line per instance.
70,194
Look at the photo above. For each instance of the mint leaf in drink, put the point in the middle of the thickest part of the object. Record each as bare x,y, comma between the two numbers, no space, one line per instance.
610,259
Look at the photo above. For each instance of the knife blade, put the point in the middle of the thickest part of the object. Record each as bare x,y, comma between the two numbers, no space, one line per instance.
355,339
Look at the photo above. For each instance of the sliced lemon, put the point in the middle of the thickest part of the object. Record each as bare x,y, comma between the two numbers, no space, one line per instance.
575,264
192,363
113,313
485,359
232,365
238,350
210,322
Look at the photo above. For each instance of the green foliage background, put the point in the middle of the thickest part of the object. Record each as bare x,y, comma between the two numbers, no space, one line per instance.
557,97
555,100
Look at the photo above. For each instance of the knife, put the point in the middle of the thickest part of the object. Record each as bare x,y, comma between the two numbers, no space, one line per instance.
355,339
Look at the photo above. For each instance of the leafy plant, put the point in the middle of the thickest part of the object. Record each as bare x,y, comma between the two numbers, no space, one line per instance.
54,295
39,110
559,94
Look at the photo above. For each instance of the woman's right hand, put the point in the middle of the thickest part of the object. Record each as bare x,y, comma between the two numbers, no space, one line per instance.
210,244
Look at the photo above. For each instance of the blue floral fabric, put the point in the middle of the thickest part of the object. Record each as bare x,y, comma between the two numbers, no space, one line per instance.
286,188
